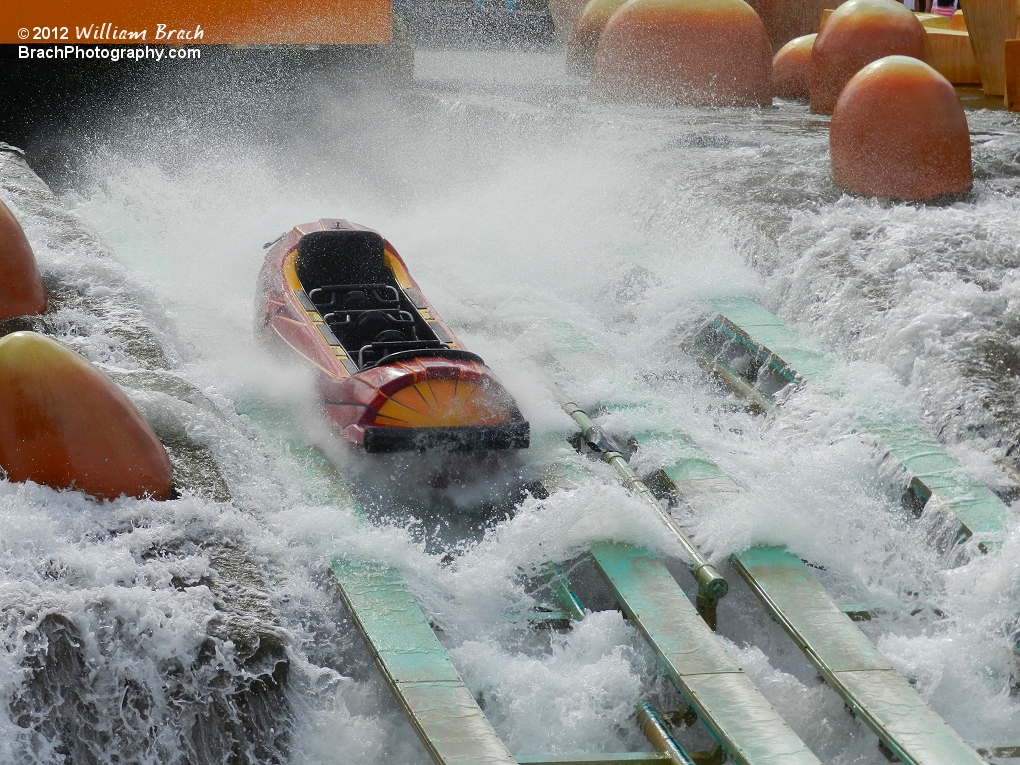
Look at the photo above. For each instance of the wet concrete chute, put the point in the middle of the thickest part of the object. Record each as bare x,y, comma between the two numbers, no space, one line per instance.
766,512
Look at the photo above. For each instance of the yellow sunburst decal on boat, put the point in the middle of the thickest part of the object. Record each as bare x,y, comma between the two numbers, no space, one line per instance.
441,403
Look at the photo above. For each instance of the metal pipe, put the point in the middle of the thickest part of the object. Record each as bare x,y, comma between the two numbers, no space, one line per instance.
711,584
655,731
566,597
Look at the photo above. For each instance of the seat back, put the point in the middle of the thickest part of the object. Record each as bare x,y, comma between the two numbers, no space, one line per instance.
341,257
347,279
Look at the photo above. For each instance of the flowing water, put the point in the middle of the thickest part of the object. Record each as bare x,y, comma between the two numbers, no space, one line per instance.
206,629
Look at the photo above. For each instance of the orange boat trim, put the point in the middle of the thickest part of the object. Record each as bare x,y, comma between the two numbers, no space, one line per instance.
440,403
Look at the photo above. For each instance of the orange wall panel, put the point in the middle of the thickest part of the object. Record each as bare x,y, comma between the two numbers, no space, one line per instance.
205,22
1012,56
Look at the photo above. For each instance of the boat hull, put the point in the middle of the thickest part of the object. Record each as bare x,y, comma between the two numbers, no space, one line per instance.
390,374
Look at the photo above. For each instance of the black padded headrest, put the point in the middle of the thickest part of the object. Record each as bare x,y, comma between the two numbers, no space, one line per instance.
341,257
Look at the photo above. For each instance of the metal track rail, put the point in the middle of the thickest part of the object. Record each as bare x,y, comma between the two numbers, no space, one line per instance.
848,661
781,359
711,584
438,705
715,687
726,700
454,729
845,657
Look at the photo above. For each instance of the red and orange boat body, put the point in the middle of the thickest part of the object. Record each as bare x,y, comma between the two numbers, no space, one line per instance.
390,373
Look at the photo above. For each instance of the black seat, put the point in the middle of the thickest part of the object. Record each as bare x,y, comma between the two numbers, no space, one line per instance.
347,279
341,257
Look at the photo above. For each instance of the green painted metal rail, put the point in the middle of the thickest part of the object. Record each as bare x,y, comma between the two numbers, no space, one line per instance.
726,701
594,759
849,662
413,662
759,356
437,703
576,354
711,584
655,730
715,687
832,642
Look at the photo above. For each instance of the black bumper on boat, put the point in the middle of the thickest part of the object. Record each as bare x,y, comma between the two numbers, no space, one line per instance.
514,435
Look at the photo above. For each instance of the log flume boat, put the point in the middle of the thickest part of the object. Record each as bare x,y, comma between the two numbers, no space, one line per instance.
390,374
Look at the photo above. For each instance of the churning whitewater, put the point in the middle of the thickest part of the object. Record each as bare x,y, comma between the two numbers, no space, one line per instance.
207,629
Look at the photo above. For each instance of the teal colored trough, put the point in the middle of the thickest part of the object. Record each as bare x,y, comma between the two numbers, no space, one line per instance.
906,726
763,359
876,693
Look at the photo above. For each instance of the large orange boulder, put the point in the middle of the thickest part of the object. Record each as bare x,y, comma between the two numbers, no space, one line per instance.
21,291
65,424
791,68
899,131
696,52
857,33
587,30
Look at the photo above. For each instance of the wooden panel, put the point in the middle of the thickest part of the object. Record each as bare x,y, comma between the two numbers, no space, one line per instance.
934,20
206,22
953,57
1012,61
991,23
786,19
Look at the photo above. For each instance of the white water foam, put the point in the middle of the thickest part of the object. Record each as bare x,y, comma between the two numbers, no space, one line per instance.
515,200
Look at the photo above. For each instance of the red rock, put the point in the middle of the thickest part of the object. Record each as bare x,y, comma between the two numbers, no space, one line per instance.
857,33
587,30
21,291
696,52
791,68
899,131
65,424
